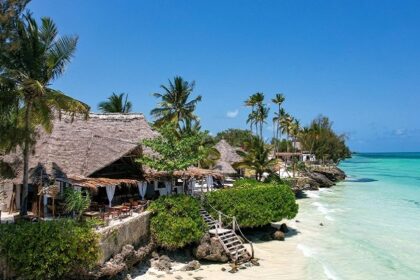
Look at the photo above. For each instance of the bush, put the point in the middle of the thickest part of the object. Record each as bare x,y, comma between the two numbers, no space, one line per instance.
254,203
176,221
48,250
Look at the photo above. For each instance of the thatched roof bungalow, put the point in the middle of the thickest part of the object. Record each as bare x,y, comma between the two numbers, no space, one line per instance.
97,152
228,156
103,145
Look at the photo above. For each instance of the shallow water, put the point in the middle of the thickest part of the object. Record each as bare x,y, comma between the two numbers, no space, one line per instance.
371,222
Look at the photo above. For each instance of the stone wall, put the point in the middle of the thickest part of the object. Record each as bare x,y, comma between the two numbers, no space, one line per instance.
8,188
133,231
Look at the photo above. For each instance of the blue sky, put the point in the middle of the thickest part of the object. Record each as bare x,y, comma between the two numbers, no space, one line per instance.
357,62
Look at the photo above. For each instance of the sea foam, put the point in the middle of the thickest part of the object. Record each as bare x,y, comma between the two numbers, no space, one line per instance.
307,252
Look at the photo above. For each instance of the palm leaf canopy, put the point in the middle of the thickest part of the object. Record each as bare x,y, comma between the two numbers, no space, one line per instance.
175,105
40,58
116,104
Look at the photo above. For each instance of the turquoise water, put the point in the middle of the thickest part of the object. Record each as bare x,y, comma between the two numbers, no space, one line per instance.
371,222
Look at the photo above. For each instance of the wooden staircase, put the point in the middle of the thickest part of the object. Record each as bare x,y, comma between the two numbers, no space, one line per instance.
211,223
230,241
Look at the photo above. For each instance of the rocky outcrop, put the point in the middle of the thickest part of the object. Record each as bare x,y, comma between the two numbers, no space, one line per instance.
192,265
305,184
162,263
316,177
210,249
122,261
333,173
322,180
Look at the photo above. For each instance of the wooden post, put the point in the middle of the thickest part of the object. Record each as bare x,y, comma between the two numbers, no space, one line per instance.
53,207
234,223
39,206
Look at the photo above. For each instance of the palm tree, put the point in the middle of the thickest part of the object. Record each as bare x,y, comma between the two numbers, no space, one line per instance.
39,59
285,121
210,154
116,104
294,131
278,100
255,100
262,115
175,106
252,119
256,157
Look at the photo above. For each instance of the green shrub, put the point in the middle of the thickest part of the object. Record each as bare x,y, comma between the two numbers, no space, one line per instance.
176,221
48,250
254,203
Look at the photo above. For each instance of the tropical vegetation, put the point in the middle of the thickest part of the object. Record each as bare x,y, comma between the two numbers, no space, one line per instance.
49,250
116,103
77,202
172,152
320,139
257,157
176,105
234,136
37,58
254,203
176,221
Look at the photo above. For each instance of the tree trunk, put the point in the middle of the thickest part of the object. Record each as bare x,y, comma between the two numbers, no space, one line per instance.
26,148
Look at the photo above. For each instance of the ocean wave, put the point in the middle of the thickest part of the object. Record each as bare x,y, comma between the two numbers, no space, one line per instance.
329,218
307,251
321,208
328,272
312,194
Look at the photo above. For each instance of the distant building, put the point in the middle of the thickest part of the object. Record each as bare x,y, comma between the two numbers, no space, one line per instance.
307,157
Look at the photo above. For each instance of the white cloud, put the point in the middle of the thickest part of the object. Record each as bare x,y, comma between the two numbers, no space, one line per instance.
232,114
400,132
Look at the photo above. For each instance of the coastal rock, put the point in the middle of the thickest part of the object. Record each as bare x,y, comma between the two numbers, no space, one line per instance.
193,265
122,261
210,249
305,184
320,178
163,263
279,235
284,228
333,173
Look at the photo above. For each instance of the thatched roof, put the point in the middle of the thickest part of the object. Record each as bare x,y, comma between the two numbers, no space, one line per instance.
287,155
94,183
83,146
227,152
191,172
228,156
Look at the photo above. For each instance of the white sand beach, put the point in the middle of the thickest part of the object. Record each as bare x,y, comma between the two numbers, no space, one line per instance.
277,259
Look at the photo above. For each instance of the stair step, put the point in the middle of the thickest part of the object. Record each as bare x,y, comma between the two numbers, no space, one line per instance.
233,242
229,239
228,233
224,237
233,252
236,247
